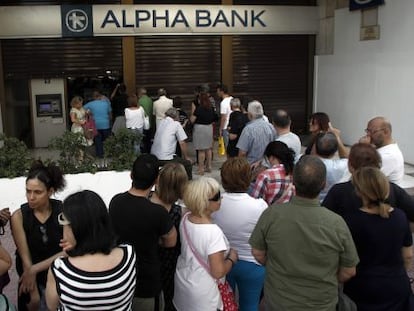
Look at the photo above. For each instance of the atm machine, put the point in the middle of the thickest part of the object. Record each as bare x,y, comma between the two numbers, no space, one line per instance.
48,110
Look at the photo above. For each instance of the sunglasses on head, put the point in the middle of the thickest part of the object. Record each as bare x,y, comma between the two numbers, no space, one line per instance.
63,220
216,198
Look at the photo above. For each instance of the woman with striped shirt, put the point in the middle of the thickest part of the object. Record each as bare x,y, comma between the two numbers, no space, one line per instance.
97,274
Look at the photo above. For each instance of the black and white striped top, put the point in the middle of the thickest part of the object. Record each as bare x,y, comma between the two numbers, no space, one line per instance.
107,290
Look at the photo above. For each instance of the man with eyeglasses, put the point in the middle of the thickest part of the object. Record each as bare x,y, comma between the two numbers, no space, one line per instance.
379,134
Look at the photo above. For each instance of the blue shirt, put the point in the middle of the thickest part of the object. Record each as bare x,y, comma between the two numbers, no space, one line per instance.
255,137
101,110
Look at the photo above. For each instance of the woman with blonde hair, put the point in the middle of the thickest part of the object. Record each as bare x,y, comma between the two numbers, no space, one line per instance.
169,188
77,114
203,244
384,243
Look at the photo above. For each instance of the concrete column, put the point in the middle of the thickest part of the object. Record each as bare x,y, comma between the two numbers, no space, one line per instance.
128,59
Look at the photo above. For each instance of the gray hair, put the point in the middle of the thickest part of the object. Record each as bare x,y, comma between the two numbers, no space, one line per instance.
235,103
255,109
162,92
172,113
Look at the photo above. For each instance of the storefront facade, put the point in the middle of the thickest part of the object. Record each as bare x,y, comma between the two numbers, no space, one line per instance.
262,51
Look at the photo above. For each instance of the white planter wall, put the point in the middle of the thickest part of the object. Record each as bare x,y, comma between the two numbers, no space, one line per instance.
106,184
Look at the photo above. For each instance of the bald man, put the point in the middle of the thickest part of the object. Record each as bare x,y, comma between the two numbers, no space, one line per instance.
379,134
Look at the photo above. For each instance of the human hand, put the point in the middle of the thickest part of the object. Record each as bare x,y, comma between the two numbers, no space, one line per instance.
233,255
334,130
66,245
4,216
27,281
365,139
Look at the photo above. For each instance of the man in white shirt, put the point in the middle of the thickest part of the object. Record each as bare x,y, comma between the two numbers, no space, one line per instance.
225,111
282,122
161,105
379,133
168,133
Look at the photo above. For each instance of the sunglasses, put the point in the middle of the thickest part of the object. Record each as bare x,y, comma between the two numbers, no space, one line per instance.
216,198
43,231
63,220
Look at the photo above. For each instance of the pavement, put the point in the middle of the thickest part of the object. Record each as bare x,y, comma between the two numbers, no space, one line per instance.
43,153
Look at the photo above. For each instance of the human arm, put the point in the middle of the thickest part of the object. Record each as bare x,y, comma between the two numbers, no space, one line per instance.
4,216
343,151
223,120
52,297
242,153
345,273
169,239
114,91
259,255
407,255
220,265
184,150
5,260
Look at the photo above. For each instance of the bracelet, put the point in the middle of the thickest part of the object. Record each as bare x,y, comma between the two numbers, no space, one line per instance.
231,260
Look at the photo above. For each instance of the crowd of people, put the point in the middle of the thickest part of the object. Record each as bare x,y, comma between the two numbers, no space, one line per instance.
281,229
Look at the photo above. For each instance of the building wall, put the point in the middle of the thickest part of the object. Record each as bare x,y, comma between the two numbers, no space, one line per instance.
363,79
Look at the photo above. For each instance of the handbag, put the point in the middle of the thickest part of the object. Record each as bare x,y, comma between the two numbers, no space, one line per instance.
226,292
221,148
344,302
147,124
89,128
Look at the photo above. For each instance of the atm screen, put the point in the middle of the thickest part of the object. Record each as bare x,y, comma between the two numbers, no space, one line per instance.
49,105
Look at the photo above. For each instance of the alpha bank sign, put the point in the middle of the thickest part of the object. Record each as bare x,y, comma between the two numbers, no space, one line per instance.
135,20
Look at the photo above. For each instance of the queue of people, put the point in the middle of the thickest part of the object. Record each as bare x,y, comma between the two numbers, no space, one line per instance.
173,243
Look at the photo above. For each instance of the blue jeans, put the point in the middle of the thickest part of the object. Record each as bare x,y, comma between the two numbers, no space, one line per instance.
225,134
99,139
248,277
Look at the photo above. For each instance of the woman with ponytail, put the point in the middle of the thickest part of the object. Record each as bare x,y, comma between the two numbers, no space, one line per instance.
37,234
384,243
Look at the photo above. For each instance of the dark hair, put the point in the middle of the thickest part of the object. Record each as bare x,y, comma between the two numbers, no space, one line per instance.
51,176
144,171
322,119
326,144
236,174
90,223
223,88
362,155
177,102
122,88
282,152
309,176
205,101
281,119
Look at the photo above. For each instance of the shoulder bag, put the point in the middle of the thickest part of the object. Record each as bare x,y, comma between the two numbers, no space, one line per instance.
226,292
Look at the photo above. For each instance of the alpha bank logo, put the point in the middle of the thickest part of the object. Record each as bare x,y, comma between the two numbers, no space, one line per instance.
362,4
76,20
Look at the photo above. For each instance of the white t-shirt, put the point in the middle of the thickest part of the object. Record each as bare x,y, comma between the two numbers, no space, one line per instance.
194,287
134,118
168,133
392,163
292,141
336,171
225,109
237,217
160,106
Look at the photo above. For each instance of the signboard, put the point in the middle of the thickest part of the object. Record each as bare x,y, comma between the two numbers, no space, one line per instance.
363,4
136,20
